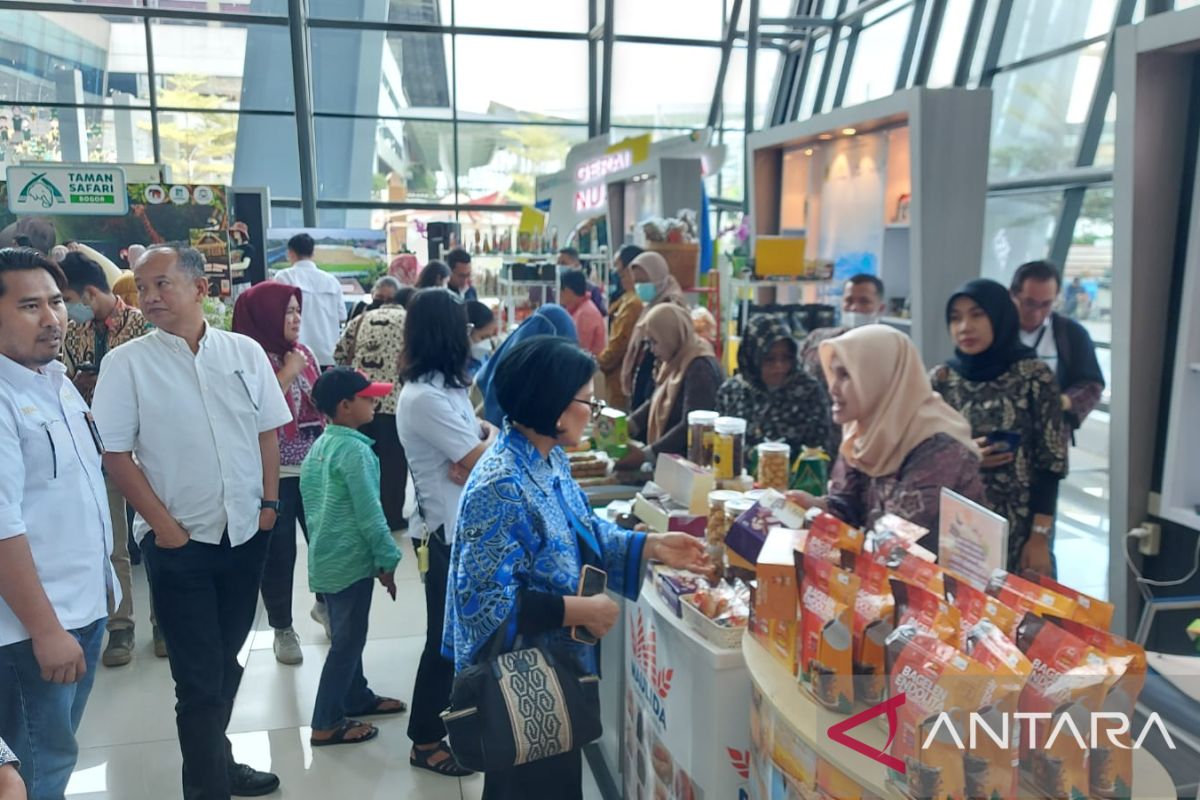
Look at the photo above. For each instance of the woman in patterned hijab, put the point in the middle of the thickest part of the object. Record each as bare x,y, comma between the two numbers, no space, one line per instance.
778,400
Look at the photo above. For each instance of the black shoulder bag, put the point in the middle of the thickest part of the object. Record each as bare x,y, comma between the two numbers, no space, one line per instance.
525,705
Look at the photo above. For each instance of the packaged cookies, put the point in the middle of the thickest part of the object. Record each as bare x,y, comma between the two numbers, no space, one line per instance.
1025,596
917,605
774,465
992,763
1089,610
974,605
826,636
873,607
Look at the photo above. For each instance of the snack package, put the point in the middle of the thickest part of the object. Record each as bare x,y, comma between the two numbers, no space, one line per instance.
1089,610
890,525
748,532
941,686
796,760
907,562
777,598
993,767
974,605
842,536
826,637
1111,767
1025,596
873,608
810,472
1069,678
916,605
727,604
611,433
672,584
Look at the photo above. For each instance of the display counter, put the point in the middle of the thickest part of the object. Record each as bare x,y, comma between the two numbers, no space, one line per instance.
686,733
781,710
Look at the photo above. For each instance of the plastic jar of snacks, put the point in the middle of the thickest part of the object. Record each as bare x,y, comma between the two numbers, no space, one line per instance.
729,449
774,465
718,523
701,428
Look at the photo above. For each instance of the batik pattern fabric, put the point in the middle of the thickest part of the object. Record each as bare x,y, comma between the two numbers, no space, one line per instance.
124,324
374,343
308,422
1025,399
517,531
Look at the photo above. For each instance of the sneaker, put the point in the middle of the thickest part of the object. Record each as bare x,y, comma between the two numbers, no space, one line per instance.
119,651
321,614
287,647
245,781
160,644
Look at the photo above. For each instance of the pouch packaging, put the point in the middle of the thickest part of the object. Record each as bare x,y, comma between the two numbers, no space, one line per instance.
826,638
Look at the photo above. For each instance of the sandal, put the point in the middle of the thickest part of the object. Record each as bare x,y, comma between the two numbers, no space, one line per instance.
340,734
447,766
378,709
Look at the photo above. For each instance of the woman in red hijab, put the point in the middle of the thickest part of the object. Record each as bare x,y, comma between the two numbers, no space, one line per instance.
269,313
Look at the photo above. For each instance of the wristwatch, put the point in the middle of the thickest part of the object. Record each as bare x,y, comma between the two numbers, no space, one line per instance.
1042,530
273,505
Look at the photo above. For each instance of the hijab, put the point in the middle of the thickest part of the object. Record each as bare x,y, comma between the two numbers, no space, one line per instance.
1006,348
549,320
667,290
900,408
259,313
671,327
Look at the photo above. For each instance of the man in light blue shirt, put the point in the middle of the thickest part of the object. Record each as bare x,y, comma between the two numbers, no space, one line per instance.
55,531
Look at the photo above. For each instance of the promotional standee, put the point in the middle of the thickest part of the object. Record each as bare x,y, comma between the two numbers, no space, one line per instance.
687,735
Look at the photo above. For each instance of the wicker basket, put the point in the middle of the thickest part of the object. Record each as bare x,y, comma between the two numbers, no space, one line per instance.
724,637
683,259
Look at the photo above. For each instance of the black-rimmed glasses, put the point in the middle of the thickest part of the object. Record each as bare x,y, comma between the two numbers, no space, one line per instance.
597,406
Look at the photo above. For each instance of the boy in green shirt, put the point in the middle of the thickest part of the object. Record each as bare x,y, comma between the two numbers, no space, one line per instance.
350,545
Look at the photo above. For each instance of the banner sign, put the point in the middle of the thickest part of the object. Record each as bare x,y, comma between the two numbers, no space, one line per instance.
93,190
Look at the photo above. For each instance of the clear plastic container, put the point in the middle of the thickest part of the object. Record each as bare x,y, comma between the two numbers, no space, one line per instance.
718,523
701,430
774,465
729,450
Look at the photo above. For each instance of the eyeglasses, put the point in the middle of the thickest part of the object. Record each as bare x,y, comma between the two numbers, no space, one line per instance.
597,406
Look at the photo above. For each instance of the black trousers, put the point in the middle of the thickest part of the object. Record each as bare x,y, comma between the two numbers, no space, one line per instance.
393,468
205,596
435,674
280,570
555,778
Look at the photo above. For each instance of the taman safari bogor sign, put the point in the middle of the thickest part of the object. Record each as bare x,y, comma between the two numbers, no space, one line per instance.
44,189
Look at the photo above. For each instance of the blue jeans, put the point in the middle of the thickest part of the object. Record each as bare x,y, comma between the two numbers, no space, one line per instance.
38,719
343,689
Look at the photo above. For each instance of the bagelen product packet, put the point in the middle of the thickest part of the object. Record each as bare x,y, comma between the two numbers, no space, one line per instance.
916,570
844,537
917,605
826,637
1069,679
1088,610
908,532
777,595
1111,766
974,605
941,687
993,767
873,609
1024,596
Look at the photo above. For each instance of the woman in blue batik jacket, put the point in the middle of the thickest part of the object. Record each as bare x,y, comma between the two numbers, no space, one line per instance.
525,531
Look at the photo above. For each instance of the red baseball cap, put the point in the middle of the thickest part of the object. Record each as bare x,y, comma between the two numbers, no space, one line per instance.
342,383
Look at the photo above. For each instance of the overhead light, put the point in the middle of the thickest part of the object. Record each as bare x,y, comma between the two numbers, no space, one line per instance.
808,151
825,137
848,131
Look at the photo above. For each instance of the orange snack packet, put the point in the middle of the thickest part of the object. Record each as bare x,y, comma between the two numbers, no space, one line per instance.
941,686
992,767
873,609
916,570
1069,679
1088,610
917,605
974,605
1025,596
842,536
1111,765
826,636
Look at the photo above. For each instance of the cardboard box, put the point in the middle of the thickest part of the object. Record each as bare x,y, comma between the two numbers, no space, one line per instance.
748,532
661,514
686,483
779,256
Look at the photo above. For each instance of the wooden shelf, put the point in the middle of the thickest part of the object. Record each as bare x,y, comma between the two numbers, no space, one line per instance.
812,721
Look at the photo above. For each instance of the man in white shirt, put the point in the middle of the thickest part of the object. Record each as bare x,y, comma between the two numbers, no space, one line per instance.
55,532
324,302
199,408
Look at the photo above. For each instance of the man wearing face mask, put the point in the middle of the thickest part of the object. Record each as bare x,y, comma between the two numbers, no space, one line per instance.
863,303
99,322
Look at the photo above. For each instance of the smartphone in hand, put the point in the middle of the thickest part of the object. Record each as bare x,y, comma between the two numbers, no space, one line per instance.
591,581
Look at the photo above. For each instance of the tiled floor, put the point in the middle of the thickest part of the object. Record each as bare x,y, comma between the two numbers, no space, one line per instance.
129,749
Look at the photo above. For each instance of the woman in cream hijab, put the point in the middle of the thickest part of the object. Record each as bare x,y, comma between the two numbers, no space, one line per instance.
687,378
654,285
901,443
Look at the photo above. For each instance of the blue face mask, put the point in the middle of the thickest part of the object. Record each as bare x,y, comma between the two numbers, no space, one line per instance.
79,313
646,291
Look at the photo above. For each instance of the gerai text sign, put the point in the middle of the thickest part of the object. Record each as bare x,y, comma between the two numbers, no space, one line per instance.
94,189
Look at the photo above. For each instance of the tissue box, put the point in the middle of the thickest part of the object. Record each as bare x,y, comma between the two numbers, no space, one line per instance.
749,531
662,514
687,484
